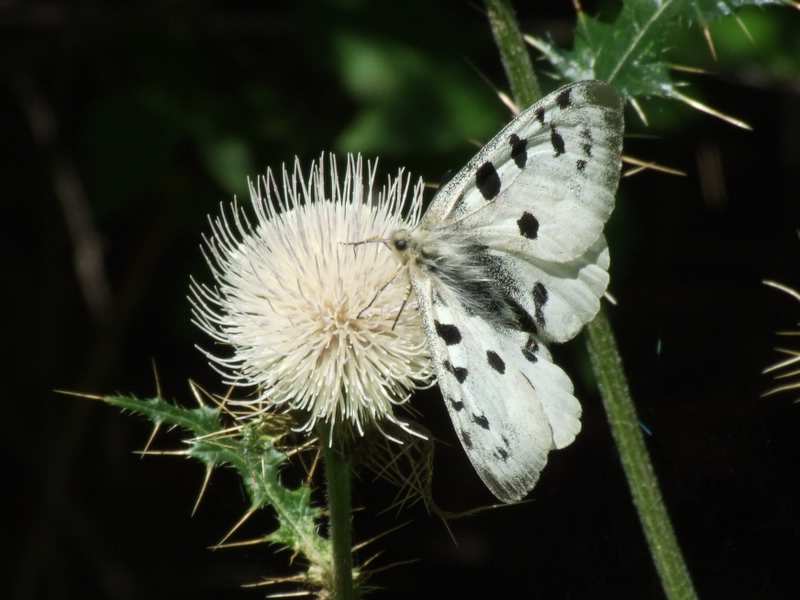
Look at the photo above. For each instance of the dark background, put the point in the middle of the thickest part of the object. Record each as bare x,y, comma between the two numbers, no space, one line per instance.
124,124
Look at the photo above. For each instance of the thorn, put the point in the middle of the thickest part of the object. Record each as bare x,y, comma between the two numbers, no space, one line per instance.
150,439
155,376
697,105
313,466
301,448
289,595
639,111
218,433
710,42
275,581
196,389
196,392
781,365
626,158
688,69
81,395
162,452
398,563
449,530
371,559
361,545
481,509
253,542
787,351
504,98
744,28
239,523
206,479
779,286
794,373
509,103
607,295
781,388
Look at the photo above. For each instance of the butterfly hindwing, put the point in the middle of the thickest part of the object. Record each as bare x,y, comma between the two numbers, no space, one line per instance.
545,184
509,404
559,298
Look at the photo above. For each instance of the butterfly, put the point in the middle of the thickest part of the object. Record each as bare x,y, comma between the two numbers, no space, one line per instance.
509,256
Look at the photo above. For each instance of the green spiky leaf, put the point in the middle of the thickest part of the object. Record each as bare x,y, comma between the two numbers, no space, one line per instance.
630,52
254,455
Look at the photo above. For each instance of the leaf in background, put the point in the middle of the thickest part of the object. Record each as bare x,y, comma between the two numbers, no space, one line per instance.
392,84
629,52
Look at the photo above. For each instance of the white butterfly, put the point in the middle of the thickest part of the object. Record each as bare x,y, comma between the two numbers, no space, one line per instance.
511,254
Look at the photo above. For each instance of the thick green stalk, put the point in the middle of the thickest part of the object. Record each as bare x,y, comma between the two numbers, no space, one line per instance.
337,473
605,358
513,52
642,481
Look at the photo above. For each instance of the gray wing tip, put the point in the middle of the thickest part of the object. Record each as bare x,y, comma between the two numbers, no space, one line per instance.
513,491
603,94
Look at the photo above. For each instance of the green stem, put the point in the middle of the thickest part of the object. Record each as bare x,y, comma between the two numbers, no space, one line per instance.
513,52
337,473
605,358
627,433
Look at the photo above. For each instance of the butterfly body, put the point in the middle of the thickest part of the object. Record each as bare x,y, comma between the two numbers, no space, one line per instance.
511,255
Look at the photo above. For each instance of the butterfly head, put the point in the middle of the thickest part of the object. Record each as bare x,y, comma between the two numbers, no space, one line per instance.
402,244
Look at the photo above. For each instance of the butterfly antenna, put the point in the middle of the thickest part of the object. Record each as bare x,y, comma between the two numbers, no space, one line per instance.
371,240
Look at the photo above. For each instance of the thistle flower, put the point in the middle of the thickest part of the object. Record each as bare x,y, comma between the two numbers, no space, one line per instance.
316,325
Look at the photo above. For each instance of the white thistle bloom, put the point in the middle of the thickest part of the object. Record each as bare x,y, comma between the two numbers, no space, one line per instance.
310,320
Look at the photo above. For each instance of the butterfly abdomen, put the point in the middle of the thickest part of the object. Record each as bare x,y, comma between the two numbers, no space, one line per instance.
477,279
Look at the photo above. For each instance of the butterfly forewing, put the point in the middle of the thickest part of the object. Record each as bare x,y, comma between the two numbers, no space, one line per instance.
545,184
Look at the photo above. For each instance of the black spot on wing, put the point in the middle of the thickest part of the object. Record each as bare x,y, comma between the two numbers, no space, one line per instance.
563,100
502,453
530,349
539,293
523,320
481,421
519,150
505,440
528,226
487,180
557,141
539,300
457,405
539,112
460,373
449,333
586,146
494,360
465,437
580,165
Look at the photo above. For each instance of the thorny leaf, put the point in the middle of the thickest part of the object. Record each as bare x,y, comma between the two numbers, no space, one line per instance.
630,52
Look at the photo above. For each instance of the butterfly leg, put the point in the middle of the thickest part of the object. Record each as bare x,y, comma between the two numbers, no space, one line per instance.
402,306
379,292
